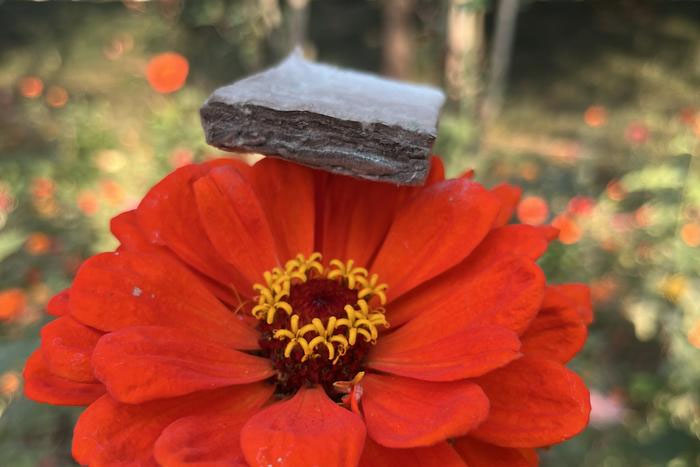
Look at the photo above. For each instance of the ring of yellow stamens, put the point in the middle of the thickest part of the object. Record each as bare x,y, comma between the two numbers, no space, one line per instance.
336,335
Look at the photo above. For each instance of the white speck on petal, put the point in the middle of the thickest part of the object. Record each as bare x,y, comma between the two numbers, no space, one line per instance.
136,292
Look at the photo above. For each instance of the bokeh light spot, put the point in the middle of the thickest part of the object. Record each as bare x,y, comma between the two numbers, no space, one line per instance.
690,234
595,116
31,87
167,72
56,96
533,210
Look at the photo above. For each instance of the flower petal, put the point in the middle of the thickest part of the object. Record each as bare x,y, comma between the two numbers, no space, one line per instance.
516,239
111,433
437,171
142,363
508,195
405,413
58,305
40,385
580,294
534,402
67,346
116,290
125,228
236,223
286,193
440,352
507,293
434,231
168,215
211,438
438,455
308,429
356,216
558,332
478,454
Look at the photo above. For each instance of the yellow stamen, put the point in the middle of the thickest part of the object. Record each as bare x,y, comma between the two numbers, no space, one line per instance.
337,335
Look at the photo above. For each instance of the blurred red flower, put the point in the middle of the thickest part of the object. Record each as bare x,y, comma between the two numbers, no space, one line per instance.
595,116
37,243
637,133
580,206
88,202
533,210
615,190
215,334
12,303
56,96
31,87
690,234
167,72
569,230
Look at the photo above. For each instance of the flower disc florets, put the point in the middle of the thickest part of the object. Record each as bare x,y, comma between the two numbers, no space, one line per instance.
318,322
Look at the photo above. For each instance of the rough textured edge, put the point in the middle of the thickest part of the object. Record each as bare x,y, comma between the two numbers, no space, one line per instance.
379,152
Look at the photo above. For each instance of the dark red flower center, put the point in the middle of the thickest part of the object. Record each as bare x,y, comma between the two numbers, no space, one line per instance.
317,298
317,323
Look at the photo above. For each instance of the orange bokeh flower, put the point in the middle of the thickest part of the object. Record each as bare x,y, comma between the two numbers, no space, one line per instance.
274,314
694,335
595,116
533,210
31,87
12,303
580,206
569,230
87,202
9,383
37,243
690,234
56,96
167,72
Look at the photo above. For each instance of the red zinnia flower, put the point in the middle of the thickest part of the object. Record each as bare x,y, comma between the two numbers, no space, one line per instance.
244,321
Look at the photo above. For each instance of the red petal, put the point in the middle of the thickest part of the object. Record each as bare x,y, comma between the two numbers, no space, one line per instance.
126,229
558,332
356,216
439,352
67,346
508,195
141,363
58,305
434,231
534,402
110,433
286,194
438,455
580,294
516,240
210,438
116,290
437,171
42,386
168,215
308,429
235,223
405,413
507,293
478,454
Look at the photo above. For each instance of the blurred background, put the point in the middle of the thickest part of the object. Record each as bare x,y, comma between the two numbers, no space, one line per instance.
592,107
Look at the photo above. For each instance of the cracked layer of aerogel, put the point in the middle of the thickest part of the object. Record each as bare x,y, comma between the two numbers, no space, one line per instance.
340,94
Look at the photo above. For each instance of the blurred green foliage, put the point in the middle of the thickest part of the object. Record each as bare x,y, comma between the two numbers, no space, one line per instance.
601,123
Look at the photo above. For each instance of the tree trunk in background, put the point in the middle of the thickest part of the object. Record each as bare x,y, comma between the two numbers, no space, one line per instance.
398,45
501,51
298,22
464,44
